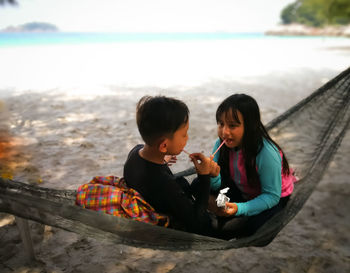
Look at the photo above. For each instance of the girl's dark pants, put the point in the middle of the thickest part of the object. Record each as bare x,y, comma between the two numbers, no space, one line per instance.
241,226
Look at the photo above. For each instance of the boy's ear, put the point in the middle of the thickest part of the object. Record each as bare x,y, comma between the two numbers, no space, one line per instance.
163,146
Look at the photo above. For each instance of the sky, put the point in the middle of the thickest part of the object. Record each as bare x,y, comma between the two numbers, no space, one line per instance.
147,15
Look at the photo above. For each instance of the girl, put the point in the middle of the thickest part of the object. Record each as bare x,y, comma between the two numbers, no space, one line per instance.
252,165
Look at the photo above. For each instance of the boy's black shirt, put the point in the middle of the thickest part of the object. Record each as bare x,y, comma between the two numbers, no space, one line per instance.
159,187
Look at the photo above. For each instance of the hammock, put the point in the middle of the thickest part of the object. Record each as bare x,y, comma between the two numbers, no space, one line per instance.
309,133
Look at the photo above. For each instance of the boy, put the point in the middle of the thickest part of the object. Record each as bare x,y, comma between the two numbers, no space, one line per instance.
163,124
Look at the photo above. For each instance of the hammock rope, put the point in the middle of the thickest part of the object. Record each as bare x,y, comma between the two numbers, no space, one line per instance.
309,133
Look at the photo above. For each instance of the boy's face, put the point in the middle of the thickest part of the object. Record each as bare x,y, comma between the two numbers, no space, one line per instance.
178,141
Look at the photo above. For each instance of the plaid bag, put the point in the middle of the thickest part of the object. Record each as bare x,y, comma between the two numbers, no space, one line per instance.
110,194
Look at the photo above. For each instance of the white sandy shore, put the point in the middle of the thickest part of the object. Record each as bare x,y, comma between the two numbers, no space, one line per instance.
304,30
64,134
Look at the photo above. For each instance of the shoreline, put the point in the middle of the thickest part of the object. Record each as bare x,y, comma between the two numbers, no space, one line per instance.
303,30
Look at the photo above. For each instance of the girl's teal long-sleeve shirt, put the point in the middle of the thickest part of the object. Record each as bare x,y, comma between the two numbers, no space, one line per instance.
269,166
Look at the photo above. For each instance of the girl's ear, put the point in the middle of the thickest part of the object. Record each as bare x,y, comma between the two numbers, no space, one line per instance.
163,146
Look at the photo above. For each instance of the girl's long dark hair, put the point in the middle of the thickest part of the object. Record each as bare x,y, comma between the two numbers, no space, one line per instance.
254,133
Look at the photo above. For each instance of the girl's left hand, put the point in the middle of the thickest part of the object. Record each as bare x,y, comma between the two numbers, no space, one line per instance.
229,210
170,159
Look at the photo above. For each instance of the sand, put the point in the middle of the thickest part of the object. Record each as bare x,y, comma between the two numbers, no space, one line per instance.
59,136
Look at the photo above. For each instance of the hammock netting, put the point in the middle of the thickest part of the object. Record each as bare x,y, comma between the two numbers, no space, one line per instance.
309,133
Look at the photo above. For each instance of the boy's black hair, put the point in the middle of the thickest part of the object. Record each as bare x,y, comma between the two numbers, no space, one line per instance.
159,117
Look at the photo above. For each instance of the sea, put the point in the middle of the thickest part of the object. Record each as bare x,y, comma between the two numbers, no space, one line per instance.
54,38
42,38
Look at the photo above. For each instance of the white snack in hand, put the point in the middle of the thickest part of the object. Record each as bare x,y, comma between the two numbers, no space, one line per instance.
222,198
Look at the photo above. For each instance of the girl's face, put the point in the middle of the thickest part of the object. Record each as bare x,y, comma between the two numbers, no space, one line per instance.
230,130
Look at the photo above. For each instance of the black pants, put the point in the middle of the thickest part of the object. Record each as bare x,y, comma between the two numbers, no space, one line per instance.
241,226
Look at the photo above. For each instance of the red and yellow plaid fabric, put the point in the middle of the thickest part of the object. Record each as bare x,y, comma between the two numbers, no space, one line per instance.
110,194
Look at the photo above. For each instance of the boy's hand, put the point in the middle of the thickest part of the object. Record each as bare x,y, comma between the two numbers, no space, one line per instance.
170,159
215,171
204,165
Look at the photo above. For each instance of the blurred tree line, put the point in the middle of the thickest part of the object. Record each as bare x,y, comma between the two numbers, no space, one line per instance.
12,2
317,13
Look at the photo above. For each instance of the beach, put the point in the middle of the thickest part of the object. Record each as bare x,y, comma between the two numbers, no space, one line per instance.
68,112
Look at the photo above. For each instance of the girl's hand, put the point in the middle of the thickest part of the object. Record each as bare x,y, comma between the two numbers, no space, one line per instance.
203,164
229,210
170,159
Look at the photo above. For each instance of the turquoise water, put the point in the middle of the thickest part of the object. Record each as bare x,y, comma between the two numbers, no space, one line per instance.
28,39
24,39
